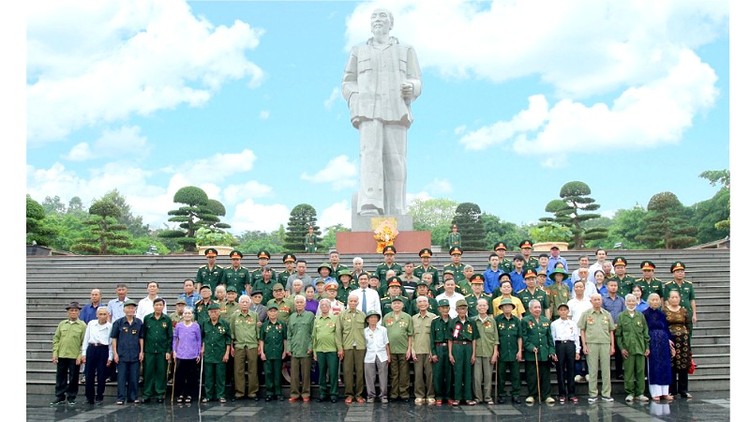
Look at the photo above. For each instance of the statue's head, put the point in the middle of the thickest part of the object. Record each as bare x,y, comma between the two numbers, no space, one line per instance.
381,20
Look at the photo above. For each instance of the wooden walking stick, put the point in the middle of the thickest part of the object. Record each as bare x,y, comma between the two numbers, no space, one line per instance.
174,376
497,387
538,387
200,381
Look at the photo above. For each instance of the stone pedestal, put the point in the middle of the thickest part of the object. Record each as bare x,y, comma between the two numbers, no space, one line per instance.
546,246
361,242
363,223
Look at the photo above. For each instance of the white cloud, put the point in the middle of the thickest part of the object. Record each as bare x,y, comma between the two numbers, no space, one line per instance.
124,141
264,115
439,186
216,168
642,116
233,194
331,100
251,216
421,196
340,172
338,213
95,62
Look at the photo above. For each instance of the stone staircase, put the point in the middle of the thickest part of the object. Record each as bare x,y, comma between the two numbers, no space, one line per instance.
52,282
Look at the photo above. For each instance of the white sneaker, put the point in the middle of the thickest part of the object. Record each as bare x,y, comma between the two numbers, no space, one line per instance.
629,398
529,400
549,400
593,399
605,398
418,401
578,379
587,377
643,398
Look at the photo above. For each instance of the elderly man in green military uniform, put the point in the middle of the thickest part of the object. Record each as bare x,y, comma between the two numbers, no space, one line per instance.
345,285
598,343
486,352
245,338
394,290
422,351
283,303
529,262
463,286
558,292
389,263
265,284
217,341
211,273
440,333
272,347
325,352
477,292
624,281
237,275
257,274
290,262
400,329
425,255
532,292
633,341
231,305
539,349
687,293
462,353
509,338
67,356
157,352
423,290
456,267
299,335
649,284
350,340
200,310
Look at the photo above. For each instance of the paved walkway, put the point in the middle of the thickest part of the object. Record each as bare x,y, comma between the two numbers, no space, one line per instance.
703,407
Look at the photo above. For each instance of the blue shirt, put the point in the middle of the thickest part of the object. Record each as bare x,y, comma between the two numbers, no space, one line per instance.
517,280
641,306
88,313
128,336
614,306
491,280
115,309
553,261
191,300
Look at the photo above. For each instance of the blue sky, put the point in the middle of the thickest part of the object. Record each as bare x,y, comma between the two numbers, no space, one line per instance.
243,99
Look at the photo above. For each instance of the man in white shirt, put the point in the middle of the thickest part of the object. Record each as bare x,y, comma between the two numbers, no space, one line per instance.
567,348
451,296
601,258
368,298
96,351
146,305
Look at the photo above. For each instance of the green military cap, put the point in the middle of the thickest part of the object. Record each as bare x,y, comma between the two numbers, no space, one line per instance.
477,279
398,298
278,286
345,272
422,283
289,257
256,292
389,250
235,254
558,271
129,302
180,302
461,302
677,265
213,306
374,275
320,280
563,304
526,244
325,265
619,261
425,253
205,286
443,302
273,306
500,245
231,289
529,273
648,265
209,252
455,250
507,301
372,312
448,272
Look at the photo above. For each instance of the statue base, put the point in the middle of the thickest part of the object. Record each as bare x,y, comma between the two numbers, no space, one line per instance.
364,222
363,242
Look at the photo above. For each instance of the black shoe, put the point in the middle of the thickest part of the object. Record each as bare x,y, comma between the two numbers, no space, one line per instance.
334,399
146,401
501,400
517,400
99,402
89,402
322,399
269,398
57,401
160,400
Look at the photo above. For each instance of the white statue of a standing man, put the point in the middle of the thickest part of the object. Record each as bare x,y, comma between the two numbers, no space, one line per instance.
381,80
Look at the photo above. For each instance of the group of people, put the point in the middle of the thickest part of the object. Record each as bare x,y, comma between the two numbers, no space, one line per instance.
455,329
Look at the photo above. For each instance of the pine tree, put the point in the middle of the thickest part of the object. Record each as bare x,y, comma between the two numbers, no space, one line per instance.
105,232
666,223
568,212
199,211
302,216
470,226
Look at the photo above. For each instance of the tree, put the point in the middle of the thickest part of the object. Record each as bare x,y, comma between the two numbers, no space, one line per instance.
53,205
550,232
719,177
36,228
470,226
496,230
433,215
627,224
302,216
105,232
199,211
329,239
254,241
75,205
218,210
665,223
134,224
568,212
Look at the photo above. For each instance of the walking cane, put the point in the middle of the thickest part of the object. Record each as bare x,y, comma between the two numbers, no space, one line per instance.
538,387
174,375
200,381
497,368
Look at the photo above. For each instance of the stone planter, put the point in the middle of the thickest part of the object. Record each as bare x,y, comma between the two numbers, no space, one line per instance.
546,246
223,250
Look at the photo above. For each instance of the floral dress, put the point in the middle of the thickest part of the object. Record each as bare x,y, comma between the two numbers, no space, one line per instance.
680,336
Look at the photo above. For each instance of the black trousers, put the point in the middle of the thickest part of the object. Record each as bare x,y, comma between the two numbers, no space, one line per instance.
679,383
96,369
618,361
66,379
565,368
186,378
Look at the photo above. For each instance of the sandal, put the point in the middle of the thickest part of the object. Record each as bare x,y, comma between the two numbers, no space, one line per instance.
574,400
561,400
180,399
188,399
